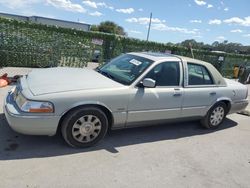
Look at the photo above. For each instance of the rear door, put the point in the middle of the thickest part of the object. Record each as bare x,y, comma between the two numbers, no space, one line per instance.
199,91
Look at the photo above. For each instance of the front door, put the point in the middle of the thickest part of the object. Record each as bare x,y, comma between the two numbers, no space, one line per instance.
159,103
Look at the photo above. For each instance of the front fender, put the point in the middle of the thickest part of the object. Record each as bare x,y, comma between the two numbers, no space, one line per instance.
86,103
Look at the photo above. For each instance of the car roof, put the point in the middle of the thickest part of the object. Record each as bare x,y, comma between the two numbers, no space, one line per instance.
155,56
192,60
168,57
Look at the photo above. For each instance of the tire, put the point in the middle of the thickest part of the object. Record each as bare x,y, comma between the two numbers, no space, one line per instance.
215,116
84,127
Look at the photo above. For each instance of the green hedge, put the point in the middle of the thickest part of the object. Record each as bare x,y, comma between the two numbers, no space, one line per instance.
27,44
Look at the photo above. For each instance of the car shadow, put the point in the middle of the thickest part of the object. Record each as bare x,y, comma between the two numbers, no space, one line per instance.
14,146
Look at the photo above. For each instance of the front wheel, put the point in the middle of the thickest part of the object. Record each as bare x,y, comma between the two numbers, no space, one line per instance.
215,116
84,127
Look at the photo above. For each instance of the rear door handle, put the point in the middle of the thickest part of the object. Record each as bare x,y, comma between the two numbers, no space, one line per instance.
213,93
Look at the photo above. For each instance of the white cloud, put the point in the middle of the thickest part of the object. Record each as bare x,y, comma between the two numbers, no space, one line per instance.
214,22
210,6
238,21
134,32
198,36
132,20
226,9
164,27
246,35
66,5
200,2
144,20
96,13
236,31
91,4
13,4
126,11
140,9
195,21
160,25
220,38
28,12
102,4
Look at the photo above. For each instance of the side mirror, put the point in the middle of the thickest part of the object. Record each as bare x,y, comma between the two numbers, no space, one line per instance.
148,82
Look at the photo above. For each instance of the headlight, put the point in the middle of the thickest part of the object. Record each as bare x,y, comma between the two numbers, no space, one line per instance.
33,106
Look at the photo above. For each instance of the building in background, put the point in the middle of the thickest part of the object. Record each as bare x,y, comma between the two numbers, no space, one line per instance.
48,21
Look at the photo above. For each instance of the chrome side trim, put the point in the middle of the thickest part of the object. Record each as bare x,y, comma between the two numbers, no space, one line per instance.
193,107
156,110
240,101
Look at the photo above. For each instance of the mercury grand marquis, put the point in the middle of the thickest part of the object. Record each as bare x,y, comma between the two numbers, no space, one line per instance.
134,89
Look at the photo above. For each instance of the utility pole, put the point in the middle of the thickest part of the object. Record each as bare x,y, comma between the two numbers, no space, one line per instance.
149,26
191,49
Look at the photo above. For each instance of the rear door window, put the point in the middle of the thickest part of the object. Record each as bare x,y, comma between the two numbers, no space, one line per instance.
198,75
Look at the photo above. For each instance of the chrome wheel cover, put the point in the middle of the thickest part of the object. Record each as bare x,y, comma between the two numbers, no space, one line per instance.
86,128
217,116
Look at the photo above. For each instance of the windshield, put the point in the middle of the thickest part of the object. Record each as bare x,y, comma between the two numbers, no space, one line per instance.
125,68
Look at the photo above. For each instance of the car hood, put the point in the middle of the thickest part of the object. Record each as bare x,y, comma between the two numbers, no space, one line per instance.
54,80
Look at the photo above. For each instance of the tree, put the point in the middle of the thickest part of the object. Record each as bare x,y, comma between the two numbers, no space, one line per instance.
109,27
195,44
225,46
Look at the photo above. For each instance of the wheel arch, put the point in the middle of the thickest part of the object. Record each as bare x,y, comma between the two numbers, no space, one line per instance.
225,100
102,107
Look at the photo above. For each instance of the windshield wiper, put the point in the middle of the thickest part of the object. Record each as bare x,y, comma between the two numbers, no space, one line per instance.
97,69
105,73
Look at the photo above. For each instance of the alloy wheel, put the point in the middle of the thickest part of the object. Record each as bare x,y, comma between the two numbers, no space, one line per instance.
86,128
217,116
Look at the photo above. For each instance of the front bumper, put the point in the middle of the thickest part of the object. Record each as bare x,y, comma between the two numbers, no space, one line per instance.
26,123
237,106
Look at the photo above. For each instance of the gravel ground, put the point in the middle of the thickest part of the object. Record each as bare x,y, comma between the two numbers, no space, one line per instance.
170,155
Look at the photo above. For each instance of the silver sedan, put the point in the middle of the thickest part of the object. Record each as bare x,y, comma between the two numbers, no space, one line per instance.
134,89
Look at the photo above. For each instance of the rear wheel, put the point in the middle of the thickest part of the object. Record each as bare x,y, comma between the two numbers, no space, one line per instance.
215,116
84,127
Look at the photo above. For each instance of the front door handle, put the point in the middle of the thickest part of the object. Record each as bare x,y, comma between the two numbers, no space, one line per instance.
213,93
177,92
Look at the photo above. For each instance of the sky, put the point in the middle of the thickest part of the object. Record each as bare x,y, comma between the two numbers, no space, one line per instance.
173,20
